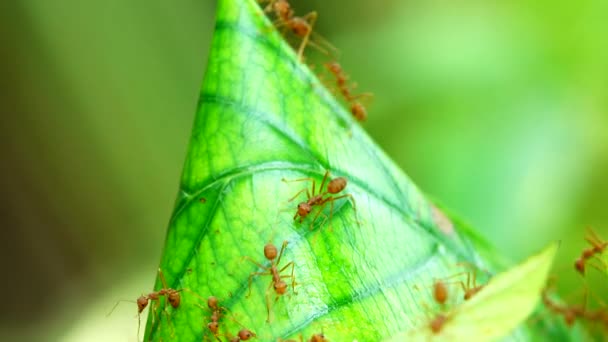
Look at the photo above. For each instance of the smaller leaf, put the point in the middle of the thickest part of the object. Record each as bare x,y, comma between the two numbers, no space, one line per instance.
506,301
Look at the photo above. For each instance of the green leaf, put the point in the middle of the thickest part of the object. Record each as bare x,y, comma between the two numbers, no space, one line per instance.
506,301
263,116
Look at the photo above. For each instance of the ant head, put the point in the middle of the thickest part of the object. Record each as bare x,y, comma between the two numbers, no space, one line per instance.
174,299
142,302
280,287
358,111
270,251
245,334
304,209
213,327
336,185
300,27
579,264
212,302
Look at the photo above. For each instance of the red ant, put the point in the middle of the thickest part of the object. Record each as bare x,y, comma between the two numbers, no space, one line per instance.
216,315
334,186
300,26
172,296
440,296
280,287
356,108
243,335
570,313
470,288
598,246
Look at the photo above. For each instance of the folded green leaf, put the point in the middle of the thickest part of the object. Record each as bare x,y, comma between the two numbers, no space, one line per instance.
263,117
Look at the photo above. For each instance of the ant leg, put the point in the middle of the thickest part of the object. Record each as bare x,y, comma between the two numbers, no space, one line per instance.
254,262
281,253
324,180
361,96
293,278
321,207
298,194
116,305
162,279
346,195
250,280
602,267
154,308
311,18
352,200
268,302
325,217
138,325
191,292
594,240
169,322
318,47
326,43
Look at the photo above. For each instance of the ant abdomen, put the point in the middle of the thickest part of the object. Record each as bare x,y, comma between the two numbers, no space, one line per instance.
336,185
174,299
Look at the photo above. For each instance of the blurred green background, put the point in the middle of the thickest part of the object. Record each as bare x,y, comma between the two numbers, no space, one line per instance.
497,109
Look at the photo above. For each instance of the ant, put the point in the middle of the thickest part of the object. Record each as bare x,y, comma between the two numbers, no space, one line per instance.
172,296
300,26
243,335
440,296
570,313
356,108
280,287
470,288
334,187
598,246
216,315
